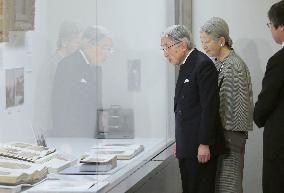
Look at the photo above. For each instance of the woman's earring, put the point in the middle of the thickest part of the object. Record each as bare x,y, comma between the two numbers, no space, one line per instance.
221,45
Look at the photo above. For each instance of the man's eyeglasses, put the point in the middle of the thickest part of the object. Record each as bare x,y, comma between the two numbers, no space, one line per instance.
166,48
269,25
109,50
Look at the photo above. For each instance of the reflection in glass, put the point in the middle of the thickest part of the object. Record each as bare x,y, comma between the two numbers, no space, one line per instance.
77,89
14,87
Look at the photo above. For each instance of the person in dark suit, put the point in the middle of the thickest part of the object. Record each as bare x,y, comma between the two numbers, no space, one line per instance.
196,105
269,108
67,43
77,86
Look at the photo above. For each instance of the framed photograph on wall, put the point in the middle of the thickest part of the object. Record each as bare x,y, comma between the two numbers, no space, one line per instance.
23,17
14,87
16,15
5,19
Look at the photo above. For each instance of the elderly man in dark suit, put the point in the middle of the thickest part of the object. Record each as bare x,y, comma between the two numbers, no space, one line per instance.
77,86
269,108
196,107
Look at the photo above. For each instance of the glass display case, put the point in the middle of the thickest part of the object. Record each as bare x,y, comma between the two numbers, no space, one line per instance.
91,79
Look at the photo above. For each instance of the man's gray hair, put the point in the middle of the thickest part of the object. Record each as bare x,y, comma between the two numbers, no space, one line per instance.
217,27
68,31
179,33
94,34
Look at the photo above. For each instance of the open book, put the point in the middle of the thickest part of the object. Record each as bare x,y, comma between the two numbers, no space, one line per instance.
25,151
57,161
123,151
14,172
97,162
32,153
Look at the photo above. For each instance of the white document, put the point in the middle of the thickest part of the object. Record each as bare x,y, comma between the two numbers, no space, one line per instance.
123,151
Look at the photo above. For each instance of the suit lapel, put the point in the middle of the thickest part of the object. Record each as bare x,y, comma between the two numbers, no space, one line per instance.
184,72
181,76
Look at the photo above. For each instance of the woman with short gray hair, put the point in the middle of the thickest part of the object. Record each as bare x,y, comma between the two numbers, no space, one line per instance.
236,105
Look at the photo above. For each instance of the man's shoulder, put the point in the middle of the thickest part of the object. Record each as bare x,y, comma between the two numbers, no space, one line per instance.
72,58
277,60
278,55
199,57
71,63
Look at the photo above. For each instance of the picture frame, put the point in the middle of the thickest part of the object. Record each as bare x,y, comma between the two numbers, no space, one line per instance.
5,19
16,15
22,15
14,87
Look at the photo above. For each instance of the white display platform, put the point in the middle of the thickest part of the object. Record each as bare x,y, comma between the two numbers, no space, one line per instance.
123,179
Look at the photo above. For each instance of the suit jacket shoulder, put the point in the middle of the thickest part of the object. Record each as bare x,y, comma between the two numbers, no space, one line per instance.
199,58
272,92
74,59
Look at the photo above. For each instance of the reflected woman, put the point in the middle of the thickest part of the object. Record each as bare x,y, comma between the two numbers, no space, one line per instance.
236,104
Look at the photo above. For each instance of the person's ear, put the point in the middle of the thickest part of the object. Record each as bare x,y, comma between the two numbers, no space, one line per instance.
222,41
184,45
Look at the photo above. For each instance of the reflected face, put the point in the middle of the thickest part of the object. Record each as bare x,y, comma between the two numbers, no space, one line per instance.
105,47
73,44
210,46
174,52
98,54
277,33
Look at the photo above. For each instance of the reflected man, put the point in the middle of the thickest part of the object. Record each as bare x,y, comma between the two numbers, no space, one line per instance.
77,86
